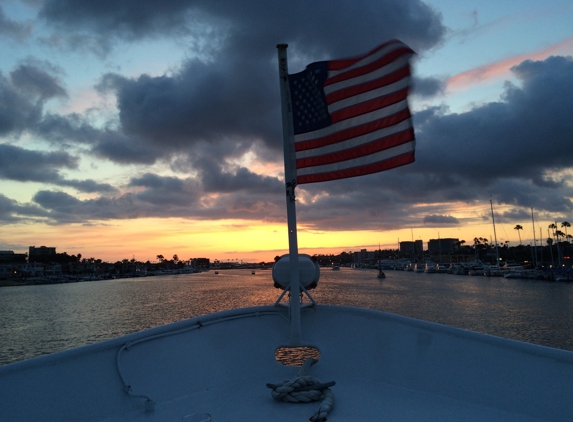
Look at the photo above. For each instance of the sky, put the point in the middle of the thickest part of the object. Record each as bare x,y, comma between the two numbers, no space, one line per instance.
130,129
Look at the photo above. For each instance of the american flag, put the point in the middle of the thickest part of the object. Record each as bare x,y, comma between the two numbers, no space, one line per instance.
351,116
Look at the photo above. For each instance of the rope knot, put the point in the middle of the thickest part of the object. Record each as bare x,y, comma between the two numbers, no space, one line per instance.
304,389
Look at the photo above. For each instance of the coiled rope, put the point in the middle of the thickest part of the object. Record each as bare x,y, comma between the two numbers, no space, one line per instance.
304,389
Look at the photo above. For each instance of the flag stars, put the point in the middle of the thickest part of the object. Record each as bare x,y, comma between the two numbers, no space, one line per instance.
310,111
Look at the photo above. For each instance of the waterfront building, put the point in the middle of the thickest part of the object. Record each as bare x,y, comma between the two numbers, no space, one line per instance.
201,263
411,249
9,257
364,257
440,249
41,251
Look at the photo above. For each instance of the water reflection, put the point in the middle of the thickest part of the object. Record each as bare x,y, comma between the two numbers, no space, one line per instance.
36,320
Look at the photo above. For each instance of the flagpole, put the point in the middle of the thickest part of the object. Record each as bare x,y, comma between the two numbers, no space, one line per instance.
290,184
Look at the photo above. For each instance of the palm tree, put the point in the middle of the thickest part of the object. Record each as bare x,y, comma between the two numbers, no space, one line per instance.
550,244
518,228
476,243
553,227
565,224
556,235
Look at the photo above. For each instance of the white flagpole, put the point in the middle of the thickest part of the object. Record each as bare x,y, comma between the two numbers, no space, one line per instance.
290,182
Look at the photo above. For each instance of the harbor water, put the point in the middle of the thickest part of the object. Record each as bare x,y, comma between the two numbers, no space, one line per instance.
42,319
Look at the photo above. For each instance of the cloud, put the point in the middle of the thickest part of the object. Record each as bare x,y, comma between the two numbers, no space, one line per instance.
23,94
13,212
16,31
166,191
33,166
428,87
522,137
441,220
213,120
516,150
71,128
39,83
227,91
128,19
226,21
109,143
116,146
16,111
218,174
21,164
200,103
163,197
231,91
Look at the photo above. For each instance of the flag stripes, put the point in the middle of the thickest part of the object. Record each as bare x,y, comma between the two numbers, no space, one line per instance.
355,127
356,115
360,169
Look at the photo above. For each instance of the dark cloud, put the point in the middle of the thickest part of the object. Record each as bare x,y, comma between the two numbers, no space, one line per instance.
319,24
222,105
233,93
23,94
525,136
441,220
33,166
460,157
211,163
128,19
31,79
72,128
427,87
166,191
14,30
8,209
199,103
116,146
511,150
63,208
163,197
95,43
26,165
111,144
13,212
16,111
241,179
231,90
149,180
88,186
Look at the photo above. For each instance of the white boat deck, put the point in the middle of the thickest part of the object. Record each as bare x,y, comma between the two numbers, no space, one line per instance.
385,367
354,401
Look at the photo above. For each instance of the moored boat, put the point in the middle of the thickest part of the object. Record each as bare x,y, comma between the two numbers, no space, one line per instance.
430,268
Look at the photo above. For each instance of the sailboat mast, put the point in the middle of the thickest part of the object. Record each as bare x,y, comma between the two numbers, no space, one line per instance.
494,235
290,184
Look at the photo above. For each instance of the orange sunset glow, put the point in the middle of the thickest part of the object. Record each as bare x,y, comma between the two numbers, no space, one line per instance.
501,68
144,239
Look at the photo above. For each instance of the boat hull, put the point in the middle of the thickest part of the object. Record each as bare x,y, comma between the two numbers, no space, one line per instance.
385,367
